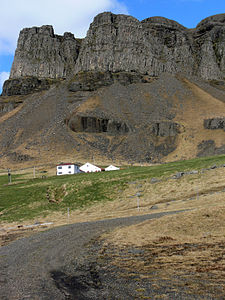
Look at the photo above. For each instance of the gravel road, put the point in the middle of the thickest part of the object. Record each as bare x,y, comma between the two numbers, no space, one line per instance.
40,266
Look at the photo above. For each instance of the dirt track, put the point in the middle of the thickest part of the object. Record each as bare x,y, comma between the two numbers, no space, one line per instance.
58,264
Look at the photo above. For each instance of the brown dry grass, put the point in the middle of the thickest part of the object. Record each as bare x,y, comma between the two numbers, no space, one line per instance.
196,191
186,249
191,116
201,224
89,105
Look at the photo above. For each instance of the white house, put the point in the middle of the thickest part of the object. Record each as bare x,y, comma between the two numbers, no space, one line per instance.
87,168
111,168
66,169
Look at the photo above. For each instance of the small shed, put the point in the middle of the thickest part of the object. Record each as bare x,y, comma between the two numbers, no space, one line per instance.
88,168
111,168
67,169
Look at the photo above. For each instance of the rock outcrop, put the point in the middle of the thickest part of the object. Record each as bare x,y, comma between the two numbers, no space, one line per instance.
122,43
215,123
92,80
209,41
41,53
165,129
90,124
131,90
208,148
26,85
118,43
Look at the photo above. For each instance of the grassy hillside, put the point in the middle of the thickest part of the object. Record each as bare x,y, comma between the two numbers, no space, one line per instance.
181,251
28,198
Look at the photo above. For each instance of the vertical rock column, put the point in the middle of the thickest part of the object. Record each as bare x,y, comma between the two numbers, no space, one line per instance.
42,54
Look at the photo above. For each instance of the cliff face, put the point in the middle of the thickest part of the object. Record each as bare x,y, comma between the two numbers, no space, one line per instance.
42,54
209,41
122,43
116,43
155,45
144,91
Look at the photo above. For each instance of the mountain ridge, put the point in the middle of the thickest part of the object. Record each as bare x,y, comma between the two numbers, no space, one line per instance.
131,91
118,43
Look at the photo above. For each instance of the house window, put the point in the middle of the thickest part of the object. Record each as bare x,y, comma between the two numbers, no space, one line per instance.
60,173
69,172
69,167
59,168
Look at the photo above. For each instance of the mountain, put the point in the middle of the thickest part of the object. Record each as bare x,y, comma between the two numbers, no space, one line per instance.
130,91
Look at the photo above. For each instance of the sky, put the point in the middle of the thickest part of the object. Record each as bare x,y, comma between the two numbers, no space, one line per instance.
76,15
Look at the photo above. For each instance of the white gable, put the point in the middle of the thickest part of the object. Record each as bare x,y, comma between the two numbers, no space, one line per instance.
111,168
89,168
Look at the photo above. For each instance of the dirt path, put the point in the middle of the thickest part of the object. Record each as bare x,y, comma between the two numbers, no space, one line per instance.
58,264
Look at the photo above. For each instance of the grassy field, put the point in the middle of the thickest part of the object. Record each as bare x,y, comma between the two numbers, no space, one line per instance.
185,250
27,198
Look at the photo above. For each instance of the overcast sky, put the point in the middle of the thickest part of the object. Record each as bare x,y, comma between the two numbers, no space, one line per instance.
76,15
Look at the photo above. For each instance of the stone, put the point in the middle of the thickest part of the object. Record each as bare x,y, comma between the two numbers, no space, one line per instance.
27,85
178,175
92,80
208,148
43,54
213,167
155,45
214,123
165,129
154,207
191,172
78,123
154,180
121,43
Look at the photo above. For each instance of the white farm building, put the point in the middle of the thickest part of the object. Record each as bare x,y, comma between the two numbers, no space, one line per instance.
67,169
111,168
88,168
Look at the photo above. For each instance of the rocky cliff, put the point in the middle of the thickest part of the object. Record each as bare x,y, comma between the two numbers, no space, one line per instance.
41,53
154,45
118,43
135,91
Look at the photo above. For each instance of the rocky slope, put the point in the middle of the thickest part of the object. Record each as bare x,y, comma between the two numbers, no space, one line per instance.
130,91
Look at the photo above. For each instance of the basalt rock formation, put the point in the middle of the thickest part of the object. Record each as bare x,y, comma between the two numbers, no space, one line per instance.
26,85
140,91
120,43
215,123
92,124
43,54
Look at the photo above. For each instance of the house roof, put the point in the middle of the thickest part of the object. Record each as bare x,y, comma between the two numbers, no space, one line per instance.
89,166
111,167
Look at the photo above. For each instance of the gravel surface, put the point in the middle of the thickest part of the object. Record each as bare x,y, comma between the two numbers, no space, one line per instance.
60,264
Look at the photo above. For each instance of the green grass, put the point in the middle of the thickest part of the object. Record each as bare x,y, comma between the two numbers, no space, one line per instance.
29,198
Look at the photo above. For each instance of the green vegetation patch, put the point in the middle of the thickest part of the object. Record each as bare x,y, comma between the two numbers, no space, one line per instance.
29,198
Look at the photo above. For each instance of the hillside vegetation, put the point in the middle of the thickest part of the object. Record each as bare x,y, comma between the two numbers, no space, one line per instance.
113,193
184,251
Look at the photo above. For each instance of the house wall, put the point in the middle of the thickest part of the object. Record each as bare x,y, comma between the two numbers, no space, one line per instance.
65,169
